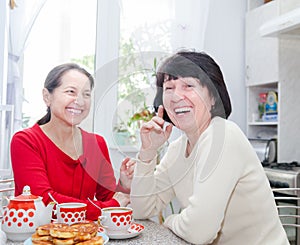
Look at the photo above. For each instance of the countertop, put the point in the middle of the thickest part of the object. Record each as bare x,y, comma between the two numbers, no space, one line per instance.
153,233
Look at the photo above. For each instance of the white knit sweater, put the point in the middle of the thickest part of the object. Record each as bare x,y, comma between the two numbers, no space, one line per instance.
222,189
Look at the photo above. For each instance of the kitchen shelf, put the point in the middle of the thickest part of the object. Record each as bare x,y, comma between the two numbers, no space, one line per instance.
253,4
266,85
262,123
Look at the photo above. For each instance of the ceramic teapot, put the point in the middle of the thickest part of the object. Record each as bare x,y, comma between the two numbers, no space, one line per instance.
24,214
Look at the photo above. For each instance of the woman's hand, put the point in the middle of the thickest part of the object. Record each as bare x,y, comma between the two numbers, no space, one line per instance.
122,198
126,172
153,135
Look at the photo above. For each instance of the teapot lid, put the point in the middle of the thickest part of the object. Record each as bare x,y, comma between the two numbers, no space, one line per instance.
26,195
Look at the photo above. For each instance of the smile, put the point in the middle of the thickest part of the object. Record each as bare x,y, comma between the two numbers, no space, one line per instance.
74,111
182,110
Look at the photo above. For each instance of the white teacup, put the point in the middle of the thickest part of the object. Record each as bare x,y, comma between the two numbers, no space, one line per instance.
116,219
70,213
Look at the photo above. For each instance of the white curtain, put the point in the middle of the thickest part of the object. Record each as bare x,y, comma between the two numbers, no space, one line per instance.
189,24
21,21
6,131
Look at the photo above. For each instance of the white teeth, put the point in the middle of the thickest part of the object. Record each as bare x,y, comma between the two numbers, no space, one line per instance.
74,111
182,110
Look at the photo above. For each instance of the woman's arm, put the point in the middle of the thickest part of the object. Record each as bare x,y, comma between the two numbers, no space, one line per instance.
201,220
151,188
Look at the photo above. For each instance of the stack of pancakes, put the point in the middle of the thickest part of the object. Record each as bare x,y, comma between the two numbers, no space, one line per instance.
63,234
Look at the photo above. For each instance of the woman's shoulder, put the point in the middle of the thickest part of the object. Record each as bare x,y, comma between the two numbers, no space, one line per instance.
182,138
225,132
177,144
227,125
33,136
28,132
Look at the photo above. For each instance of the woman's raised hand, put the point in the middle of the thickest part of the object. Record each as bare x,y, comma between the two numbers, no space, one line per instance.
153,135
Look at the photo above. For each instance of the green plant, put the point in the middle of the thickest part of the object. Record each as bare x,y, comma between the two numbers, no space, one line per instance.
143,115
133,79
120,127
87,60
25,121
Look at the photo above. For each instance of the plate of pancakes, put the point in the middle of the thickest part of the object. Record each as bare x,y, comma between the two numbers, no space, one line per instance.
85,233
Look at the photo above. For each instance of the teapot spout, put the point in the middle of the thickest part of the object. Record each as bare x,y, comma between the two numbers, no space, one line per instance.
46,216
49,208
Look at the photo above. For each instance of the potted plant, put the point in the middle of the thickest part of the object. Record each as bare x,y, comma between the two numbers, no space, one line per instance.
121,134
143,115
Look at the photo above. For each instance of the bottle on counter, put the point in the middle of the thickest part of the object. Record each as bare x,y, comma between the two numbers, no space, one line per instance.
271,107
261,104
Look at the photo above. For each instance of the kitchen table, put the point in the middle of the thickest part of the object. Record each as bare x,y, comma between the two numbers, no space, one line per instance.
153,233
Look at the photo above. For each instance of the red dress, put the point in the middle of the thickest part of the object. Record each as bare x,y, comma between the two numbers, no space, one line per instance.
39,163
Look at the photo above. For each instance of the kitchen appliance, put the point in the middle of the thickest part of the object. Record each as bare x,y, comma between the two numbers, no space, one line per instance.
286,175
266,149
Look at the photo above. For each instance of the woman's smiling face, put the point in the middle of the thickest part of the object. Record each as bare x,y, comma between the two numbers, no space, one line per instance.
187,103
70,102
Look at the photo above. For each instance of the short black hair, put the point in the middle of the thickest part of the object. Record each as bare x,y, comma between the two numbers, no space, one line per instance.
198,65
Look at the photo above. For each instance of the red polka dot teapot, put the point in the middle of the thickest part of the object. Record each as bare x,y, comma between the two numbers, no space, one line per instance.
24,214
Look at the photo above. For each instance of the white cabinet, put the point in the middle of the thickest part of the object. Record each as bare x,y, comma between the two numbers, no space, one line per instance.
261,53
272,64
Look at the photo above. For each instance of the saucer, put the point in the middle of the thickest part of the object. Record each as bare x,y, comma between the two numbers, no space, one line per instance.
104,236
134,230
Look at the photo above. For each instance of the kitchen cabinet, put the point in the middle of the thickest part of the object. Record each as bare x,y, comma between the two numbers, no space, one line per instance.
261,53
272,64
287,24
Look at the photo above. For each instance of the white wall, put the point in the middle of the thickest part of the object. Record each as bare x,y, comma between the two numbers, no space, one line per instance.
224,41
4,20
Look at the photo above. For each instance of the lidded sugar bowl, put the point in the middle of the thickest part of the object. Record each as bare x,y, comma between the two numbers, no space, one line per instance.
24,214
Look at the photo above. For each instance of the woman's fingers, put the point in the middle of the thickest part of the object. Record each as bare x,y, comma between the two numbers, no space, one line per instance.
129,173
160,111
155,124
169,130
128,166
124,164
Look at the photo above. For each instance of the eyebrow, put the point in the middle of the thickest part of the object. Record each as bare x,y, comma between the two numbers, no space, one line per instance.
75,88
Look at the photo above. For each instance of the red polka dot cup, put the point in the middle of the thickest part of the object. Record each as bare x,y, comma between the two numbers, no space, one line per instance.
71,212
116,219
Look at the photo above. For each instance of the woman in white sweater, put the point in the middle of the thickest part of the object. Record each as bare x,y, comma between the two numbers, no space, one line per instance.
211,169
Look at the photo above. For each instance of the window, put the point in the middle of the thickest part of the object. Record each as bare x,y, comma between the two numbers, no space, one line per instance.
144,39
65,31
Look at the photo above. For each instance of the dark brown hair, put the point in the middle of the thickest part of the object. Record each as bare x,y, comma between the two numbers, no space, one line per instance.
53,80
198,65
